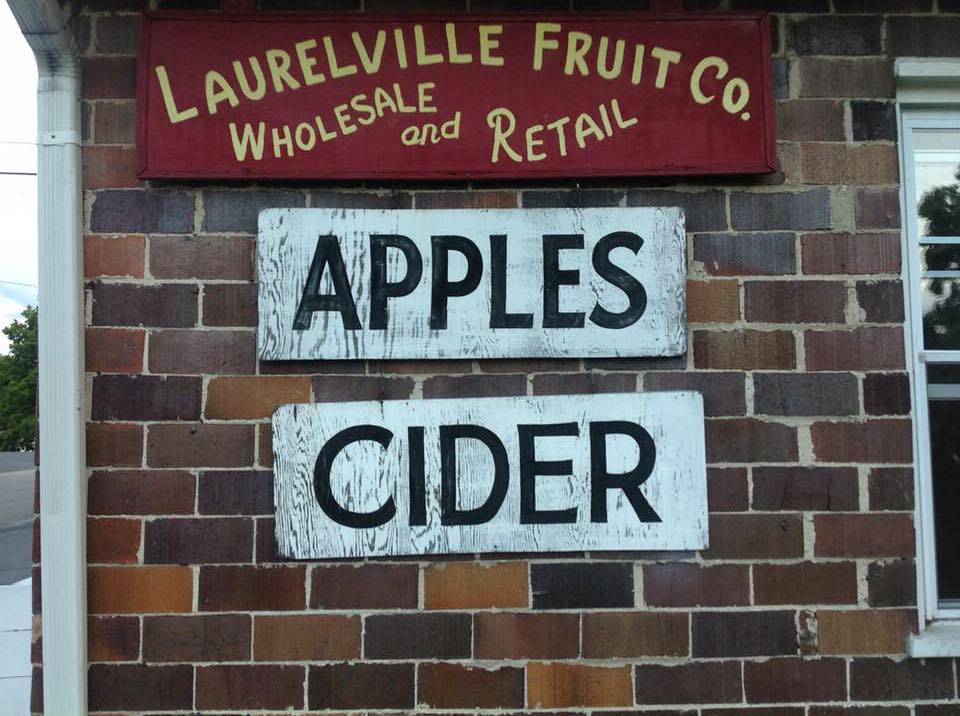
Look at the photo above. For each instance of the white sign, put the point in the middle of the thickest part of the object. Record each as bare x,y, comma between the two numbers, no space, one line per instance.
349,283
585,472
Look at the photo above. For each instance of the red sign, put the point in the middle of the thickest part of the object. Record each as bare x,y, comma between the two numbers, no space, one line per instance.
278,96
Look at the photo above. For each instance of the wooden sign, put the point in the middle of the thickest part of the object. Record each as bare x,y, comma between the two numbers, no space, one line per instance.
584,472
345,283
345,96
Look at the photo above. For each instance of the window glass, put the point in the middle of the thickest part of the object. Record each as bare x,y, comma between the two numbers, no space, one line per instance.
945,459
936,167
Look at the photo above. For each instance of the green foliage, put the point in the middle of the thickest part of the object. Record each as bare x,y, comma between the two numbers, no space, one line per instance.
941,323
18,384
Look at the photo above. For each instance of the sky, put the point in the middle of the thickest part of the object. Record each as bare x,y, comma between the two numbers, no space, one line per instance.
18,153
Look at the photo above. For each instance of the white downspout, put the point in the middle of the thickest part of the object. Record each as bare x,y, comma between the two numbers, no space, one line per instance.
63,489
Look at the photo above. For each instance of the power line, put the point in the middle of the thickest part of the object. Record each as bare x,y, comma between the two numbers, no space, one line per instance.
25,285
18,174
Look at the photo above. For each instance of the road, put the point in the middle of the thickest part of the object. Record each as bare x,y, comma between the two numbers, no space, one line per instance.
16,516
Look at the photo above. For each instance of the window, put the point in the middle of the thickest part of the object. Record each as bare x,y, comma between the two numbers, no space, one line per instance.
930,161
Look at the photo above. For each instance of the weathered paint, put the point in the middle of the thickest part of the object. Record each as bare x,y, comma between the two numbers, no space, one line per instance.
288,244
365,476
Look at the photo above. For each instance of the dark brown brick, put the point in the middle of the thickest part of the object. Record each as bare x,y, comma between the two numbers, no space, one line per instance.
703,210
163,305
466,200
859,349
923,36
881,6
230,210
614,635
889,680
806,394
891,488
835,35
538,198
251,687
870,441
206,257
246,492
750,440
136,687
892,584
584,383
206,637
337,199
745,254
230,304
878,209
727,634
345,388
114,350
805,488
881,301
873,253
112,540
859,711
109,77
136,211
117,35
810,119
198,352
755,537
361,686
474,386
526,636
698,682
368,586
252,588
307,637
723,393
208,540
417,636
145,397
695,585
786,680
115,122
199,445
454,686
805,583
109,167
843,77
114,444
795,301
113,639
886,394
132,492
864,535
579,585
873,121
727,489
753,211
744,350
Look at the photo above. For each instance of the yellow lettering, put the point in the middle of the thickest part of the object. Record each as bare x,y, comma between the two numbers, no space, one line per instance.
305,136
424,99
248,142
532,144
495,120
307,63
618,118
251,94
278,62
424,57
218,90
585,127
399,95
401,48
343,119
371,65
285,141
667,58
336,70
733,105
382,100
541,43
358,104
716,62
488,44
638,51
325,136
578,45
609,73
175,115
557,126
456,58
451,128
606,120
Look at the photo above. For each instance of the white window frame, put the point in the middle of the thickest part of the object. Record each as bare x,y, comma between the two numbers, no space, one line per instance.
928,97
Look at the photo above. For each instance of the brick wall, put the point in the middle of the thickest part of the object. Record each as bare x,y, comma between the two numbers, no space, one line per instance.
801,605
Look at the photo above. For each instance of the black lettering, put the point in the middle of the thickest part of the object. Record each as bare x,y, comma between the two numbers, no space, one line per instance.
311,301
636,294
380,288
321,478
554,278
530,467
629,482
499,318
443,288
449,513
418,490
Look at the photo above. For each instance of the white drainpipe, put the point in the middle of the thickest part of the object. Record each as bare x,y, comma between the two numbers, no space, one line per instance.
63,485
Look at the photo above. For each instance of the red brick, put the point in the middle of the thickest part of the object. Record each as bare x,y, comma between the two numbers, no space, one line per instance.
859,535
694,585
864,631
744,349
366,586
727,489
145,397
750,440
250,687
139,590
195,541
113,350
108,77
859,77
207,257
230,304
805,488
113,256
795,301
133,304
805,583
454,686
555,685
252,588
786,680
522,635
199,445
129,492
878,209
859,349
110,167
137,687
871,441
755,537
306,637
196,352
252,397
713,301
836,163
204,637
113,639
113,540
870,254
614,635
114,444
115,122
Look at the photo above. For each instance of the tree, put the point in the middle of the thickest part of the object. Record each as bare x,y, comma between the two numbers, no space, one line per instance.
18,384
941,208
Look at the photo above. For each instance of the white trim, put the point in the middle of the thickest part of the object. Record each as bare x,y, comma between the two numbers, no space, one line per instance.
941,639
63,488
927,81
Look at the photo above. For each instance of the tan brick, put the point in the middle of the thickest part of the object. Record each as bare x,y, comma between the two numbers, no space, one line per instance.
524,635
744,349
306,637
713,301
873,631
609,635
566,685
113,256
114,444
469,585
837,163
250,397
132,590
113,540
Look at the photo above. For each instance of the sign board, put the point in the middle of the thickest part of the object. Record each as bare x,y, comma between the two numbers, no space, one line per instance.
347,283
585,472
347,96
